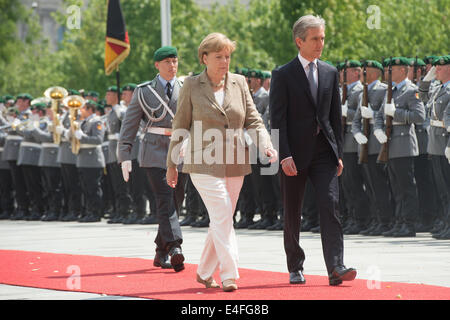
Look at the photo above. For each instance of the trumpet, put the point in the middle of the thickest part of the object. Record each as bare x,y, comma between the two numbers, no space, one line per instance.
20,125
74,103
56,94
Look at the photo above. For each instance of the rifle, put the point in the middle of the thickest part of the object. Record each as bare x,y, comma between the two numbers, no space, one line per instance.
383,156
344,94
415,71
382,74
364,152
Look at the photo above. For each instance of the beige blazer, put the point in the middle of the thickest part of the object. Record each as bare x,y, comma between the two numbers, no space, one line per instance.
222,151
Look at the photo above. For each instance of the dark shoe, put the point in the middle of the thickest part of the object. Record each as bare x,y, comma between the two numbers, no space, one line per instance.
277,226
133,218
356,228
187,221
150,219
370,228
90,218
445,235
262,224
5,215
315,229
307,225
379,230
19,215
296,277
34,216
244,223
116,218
176,259
162,261
341,273
437,227
396,228
202,223
53,216
70,217
405,231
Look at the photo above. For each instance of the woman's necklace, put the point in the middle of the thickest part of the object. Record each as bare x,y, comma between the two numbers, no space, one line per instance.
221,83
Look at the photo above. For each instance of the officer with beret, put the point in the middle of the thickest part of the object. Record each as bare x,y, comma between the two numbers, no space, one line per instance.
438,100
357,201
6,184
406,109
155,102
377,184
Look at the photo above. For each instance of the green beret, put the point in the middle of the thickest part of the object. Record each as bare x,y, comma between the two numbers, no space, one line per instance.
129,87
2,100
91,103
440,61
112,89
400,61
429,59
267,74
165,52
373,64
73,92
25,96
92,94
339,66
385,62
255,73
244,72
13,110
238,70
420,62
40,106
8,97
353,64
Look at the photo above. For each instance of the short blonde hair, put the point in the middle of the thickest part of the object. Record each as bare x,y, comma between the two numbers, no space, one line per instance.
215,42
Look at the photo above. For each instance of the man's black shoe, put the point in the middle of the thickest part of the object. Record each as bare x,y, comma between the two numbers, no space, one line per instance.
150,219
296,277
307,225
341,273
162,261
5,215
379,230
396,228
187,221
243,223
90,218
176,259
405,231
277,226
34,216
315,229
53,216
70,217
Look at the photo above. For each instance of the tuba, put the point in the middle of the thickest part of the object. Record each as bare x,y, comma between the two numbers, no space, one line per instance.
74,103
56,94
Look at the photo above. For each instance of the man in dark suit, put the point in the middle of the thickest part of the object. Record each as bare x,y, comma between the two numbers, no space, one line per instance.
305,107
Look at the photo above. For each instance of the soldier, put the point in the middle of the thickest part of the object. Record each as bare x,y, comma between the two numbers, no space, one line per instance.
50,167
378,181
91,161
155,102
11,153
267,77
6,184
120,187
439,143
352,178
28,159
405,109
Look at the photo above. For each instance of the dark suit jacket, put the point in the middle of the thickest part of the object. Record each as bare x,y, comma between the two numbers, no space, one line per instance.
295,114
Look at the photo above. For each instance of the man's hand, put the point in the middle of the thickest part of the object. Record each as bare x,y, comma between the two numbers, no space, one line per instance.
172,176
431,75
380,135
389,109
340,167
79,134
272,154
344,109
126,169
360,138
366,112
447,153
289,167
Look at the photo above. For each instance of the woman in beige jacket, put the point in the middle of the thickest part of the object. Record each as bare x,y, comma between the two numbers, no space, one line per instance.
214,108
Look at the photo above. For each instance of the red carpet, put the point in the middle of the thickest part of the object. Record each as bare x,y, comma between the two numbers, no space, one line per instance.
138,278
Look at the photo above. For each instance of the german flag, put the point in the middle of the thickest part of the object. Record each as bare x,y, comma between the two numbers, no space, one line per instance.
117,46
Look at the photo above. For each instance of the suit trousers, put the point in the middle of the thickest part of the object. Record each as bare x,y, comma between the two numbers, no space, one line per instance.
20,187
6,192
168,200
72,188
404,189
322,172
90,179
220,196
33,181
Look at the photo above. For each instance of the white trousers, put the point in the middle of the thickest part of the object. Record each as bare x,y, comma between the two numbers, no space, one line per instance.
220,196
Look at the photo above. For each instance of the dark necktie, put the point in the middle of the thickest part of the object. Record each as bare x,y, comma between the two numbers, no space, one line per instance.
312,82
169,90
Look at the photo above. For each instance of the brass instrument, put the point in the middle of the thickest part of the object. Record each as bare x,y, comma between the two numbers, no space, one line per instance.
56,94
19,126
74,103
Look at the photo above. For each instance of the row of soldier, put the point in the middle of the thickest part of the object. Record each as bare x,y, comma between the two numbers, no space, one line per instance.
408,194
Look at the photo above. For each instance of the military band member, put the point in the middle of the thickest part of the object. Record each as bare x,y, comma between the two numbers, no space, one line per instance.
406,109
155,103
50,167
6,184
357,200
91,161
377,185
438,101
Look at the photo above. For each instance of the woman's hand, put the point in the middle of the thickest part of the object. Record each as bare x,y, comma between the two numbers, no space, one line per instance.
172,176
272,154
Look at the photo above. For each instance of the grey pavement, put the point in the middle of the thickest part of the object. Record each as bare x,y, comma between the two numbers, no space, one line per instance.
414,260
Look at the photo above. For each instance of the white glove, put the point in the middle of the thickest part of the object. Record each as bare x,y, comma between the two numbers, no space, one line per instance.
447,153
389,109
31,125
366,112
448,129
126,169
50,127
79,134
380,135
344,109
67,134
59,129
431,75
360,138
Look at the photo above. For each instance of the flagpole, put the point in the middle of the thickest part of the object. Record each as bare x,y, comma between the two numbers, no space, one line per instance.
118,84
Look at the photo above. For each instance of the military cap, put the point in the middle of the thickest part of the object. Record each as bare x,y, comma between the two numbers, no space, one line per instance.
25,96
13,110
373,64
129,87
429,59
8,97
92,94
39,106
420,62
267,74
399,61
112,89
440,61
73,92
255,73
165,52
2,100
91,103
353,64
244,71
339,66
